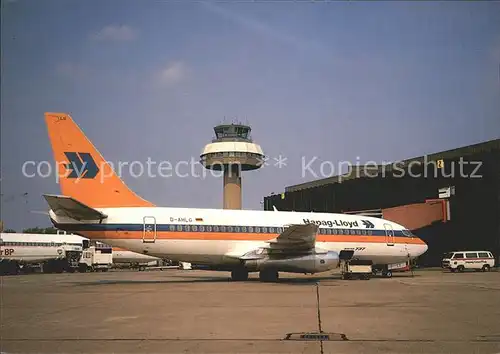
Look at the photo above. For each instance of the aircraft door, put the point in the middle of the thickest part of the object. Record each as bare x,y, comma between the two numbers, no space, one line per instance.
149,229
389,234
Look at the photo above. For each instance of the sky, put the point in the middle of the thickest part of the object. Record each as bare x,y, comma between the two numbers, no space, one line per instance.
317,81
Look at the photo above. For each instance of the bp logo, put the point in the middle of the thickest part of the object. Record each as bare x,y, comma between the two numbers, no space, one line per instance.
81,165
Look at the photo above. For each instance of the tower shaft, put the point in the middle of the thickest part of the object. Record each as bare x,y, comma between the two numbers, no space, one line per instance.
232,187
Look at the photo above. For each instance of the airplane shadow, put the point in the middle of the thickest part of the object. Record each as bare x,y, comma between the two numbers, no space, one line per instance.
139,282
192,279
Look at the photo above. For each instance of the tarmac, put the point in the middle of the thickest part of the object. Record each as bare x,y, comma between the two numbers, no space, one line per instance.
194,311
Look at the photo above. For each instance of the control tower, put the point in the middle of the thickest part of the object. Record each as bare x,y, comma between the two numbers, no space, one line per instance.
232,151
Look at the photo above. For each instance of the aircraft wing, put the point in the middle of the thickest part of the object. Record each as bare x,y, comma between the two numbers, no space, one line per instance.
66,206
294,239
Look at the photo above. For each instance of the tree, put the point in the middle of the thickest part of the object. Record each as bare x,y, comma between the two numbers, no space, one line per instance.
33,230
10,231
50,230
40,230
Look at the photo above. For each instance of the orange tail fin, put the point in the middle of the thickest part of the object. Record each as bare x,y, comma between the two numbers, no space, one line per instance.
82,171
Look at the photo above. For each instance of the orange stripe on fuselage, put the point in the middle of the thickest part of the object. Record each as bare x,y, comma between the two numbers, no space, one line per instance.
118,249
223,236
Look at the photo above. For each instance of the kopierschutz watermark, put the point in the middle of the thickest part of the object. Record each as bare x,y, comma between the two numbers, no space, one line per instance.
317,169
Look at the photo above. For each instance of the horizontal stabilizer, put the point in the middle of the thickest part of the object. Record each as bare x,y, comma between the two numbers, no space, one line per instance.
66,206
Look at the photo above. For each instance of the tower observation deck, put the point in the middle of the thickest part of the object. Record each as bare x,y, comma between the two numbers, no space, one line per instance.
232,151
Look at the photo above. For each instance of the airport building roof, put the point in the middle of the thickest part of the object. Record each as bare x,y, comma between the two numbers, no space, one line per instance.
358,171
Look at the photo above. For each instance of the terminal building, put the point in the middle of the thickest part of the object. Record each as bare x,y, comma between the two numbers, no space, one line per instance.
450,199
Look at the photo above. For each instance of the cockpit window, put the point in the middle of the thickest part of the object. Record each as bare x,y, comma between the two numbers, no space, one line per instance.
407,233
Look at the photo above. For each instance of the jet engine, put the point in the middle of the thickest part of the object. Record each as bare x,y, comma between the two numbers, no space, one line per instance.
317,262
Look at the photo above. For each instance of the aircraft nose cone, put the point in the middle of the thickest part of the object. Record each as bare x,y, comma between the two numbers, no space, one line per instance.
424,248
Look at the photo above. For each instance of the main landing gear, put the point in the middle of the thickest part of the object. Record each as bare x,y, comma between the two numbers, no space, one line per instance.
240,274
268,275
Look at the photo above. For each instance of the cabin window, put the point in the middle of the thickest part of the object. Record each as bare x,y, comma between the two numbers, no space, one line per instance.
257,229
209,228
216,228
202,228
243,229
194,228
271,230
179,227
264,229
370,232
250,229
171,227
230,229
223,228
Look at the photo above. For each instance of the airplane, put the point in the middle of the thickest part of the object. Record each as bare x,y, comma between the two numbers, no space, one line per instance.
97,204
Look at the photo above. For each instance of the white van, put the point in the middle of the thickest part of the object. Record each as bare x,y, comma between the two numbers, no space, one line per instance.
462,260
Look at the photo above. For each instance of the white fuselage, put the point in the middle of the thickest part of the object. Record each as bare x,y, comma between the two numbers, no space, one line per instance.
218,237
